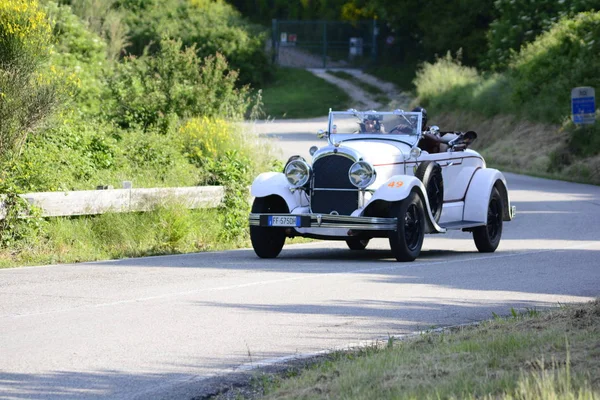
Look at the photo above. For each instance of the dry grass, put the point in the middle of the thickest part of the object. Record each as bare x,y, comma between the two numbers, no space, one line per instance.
525,147
531,355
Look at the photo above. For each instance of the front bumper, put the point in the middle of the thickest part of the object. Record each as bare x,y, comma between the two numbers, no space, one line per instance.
329,221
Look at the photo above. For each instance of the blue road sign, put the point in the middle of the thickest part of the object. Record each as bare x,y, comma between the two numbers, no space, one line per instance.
583,105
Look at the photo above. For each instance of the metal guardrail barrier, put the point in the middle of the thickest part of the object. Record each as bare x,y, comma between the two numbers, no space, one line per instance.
90,202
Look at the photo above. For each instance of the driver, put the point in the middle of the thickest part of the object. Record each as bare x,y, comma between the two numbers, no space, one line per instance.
372,124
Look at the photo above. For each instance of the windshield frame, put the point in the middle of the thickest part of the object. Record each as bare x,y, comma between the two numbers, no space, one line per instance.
336,138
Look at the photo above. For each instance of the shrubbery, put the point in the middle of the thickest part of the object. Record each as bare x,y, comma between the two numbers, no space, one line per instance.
537,85
29,91
520,22
80,53
210,26
447,85
154,91
566,56
139,118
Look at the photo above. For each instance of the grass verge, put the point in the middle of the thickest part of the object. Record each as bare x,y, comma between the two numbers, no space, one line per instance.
378,94
168,229
402,74
297,93
529,355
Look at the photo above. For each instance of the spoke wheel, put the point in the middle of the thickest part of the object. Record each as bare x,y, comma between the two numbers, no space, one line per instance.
487,238
357,244
267,242
406,241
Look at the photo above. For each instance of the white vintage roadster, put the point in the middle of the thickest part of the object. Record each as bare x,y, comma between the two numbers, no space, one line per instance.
381,175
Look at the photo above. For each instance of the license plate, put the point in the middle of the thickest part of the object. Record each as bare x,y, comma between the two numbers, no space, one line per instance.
276,220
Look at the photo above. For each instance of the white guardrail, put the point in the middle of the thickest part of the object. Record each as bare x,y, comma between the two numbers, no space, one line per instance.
89,202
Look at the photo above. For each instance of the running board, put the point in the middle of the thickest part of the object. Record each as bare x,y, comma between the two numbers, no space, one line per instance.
461,224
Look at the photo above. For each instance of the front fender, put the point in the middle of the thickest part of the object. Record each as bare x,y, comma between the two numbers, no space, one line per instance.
275,183
399,187
479,192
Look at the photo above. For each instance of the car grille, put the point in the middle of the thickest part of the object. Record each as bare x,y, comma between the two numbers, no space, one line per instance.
331,172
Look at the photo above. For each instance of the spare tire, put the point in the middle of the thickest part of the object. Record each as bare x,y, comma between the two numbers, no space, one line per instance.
430,173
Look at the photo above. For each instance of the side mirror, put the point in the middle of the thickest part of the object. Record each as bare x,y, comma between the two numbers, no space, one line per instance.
434,129
322,134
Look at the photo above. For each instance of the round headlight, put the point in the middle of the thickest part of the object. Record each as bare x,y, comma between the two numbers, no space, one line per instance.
361,174
297,172
415,152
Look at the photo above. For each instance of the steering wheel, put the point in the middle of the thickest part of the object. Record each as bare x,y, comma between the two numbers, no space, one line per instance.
401,129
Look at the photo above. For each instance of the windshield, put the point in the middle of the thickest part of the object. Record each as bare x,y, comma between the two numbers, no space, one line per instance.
396,125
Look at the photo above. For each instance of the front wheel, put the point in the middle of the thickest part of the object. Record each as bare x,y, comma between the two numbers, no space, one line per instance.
266,241
487,238
357,244
406,241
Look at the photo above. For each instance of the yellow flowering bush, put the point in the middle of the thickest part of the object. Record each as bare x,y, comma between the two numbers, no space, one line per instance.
25,31
30,90
207,138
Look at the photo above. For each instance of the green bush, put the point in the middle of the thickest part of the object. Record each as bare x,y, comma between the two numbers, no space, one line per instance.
520,22
105,19
81,54
232,170
545,71
446,86
29,92
584,140
84,154
537,85
154,91
210,26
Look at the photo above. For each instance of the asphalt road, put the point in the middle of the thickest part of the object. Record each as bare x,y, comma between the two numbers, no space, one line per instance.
160,327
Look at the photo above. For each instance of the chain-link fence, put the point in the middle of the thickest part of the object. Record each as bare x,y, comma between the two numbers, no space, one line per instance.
324,44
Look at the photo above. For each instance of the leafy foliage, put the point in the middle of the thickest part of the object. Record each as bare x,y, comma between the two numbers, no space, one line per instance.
154,91
105,19
209,26
81,54
520,22
538,84
28,92
447,85
264,11
565,57
233,171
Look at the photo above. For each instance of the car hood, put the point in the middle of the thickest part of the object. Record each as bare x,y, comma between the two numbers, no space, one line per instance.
379,151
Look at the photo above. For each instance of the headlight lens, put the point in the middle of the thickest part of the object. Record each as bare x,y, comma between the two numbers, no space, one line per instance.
297,172
362,174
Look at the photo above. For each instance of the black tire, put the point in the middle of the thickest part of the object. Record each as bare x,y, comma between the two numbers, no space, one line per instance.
268,242
406,241
357,244
430,173
487,238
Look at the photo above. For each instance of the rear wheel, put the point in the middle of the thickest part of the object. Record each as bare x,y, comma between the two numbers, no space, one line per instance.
487,238
430,173
357,244
266,241
406,241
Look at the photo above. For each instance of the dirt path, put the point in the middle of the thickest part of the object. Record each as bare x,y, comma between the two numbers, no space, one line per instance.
364,100
295,136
